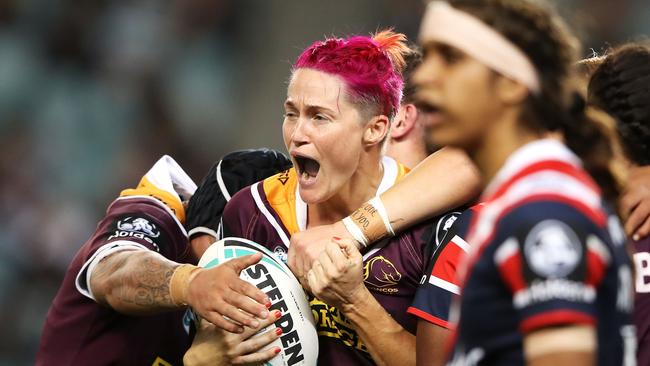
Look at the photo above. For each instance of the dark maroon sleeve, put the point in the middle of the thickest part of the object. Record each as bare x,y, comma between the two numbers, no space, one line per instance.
240,215
132,223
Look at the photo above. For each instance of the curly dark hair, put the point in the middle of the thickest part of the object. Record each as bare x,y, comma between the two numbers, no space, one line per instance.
621,87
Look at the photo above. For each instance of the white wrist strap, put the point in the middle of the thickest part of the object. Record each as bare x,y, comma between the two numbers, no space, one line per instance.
356,233
379,206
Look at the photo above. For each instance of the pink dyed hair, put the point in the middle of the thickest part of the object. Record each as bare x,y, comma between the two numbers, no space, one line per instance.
370,66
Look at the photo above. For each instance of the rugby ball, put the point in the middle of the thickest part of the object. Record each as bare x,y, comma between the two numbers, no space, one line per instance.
299,341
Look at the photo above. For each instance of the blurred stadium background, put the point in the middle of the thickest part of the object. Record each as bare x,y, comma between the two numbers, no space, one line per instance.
93,92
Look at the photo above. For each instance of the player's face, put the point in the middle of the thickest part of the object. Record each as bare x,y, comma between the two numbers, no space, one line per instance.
323,132
455,90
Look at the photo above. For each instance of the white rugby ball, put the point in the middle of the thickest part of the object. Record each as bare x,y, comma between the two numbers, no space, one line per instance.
299,341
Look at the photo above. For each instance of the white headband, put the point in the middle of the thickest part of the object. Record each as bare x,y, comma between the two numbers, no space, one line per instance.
442,23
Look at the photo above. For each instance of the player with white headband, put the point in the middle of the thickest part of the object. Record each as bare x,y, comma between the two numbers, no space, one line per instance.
546,280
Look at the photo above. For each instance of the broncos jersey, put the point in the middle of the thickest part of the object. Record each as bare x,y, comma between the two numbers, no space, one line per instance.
78,330
545,251
270,211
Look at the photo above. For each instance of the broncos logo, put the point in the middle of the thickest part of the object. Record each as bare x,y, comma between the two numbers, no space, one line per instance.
380,272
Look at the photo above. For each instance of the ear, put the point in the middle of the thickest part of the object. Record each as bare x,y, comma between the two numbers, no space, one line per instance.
510,92
404,121
376,130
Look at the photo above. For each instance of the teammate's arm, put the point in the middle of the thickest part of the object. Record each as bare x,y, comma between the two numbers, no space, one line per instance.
141,282
430,343
444,180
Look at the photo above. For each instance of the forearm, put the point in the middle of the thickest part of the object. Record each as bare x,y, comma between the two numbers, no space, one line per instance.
443,181
134,282
387,341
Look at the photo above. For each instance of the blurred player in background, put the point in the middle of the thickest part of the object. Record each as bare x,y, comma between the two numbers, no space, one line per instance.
547,280
620,85
407,142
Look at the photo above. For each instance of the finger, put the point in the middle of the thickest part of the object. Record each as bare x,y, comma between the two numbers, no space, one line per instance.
239,264
291,259
349,249
249,298
337,255
628,202
257,357
330,268
236,312
312,280
256,342
249,332
220,322
643,231
637,217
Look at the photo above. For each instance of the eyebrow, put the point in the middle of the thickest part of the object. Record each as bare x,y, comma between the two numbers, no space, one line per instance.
310,107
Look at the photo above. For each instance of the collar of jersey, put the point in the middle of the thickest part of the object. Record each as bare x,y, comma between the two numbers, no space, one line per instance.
530,153
388,180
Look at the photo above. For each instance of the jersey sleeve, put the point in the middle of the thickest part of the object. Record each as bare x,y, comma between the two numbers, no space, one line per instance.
440,284
552,257
240,216
148,217
132,223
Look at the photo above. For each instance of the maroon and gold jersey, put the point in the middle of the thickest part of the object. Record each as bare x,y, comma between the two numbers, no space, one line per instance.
269,212
78,330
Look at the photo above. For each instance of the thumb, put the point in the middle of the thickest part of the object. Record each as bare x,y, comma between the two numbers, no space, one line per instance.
239,264
348,247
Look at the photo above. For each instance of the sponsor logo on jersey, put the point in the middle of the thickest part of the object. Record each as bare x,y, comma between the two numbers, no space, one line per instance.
138,225
331,323
554,289
136,228
552,249
283,177
444,224
379,274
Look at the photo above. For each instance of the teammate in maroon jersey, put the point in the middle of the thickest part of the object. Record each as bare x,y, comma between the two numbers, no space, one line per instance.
620,87
127,268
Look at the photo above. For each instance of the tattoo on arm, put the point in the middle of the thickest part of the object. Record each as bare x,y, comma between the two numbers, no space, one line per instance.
134,282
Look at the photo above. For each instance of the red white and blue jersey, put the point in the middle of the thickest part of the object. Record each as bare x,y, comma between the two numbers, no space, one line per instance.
545,251
441,285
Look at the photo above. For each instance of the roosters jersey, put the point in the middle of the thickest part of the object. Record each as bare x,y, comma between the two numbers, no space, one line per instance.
642,299
441,284
270,211
544,252
79,331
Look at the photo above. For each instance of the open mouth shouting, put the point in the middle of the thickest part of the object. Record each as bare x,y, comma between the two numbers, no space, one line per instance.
307,169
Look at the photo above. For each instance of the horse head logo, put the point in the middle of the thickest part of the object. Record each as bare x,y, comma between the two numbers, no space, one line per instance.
380,272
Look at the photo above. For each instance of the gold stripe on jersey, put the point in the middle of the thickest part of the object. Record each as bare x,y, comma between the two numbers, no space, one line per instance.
146,188
280,192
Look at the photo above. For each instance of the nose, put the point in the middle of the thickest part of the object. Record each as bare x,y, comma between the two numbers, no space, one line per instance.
429,71
299,134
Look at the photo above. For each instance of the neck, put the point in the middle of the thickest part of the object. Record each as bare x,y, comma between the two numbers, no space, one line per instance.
409,151
498,143
360,188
